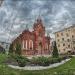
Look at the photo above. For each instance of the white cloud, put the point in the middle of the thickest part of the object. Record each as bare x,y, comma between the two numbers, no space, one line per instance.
15,15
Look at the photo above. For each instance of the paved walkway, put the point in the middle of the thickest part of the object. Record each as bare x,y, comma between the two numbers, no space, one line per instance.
39,67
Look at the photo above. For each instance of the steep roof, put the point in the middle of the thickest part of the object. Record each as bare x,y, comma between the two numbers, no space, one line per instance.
37,22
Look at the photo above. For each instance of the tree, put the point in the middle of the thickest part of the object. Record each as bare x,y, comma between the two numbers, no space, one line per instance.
18,48
11,48
55,50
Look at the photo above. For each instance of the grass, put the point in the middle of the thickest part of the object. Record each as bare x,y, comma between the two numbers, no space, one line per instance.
65,69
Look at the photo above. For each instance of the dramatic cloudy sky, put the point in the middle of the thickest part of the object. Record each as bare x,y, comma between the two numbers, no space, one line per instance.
16,14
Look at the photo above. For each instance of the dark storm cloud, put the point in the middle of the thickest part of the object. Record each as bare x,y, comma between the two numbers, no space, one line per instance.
16,14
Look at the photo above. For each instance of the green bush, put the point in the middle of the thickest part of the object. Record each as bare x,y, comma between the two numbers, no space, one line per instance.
34,61
59,59
54,60
45,61
55,53
22,61
64,57
42,61
11,49
70,56
18,48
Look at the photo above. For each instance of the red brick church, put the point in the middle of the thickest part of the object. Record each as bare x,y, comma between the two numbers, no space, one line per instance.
35,42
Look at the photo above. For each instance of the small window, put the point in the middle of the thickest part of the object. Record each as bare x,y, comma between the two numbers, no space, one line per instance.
69,46
67,34
72,36
62,39
57,35
58,40
63,44
69,30
68,40
58,45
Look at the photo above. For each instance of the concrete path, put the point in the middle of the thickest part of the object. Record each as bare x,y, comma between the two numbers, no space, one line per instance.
39,67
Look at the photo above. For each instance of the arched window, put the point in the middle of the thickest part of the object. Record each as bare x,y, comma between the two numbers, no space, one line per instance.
30,44
24,44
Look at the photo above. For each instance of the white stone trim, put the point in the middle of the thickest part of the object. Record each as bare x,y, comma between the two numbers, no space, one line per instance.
23,44
26,44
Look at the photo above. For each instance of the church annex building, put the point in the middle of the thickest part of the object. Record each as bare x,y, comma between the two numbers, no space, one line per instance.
35,42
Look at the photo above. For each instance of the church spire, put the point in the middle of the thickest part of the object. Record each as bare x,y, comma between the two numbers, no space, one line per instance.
38,22
39,18
26,28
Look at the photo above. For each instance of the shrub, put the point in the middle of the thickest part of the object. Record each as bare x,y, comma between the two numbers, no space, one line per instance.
59,59
55,51
45,61
70,56
54,60
18,48
11,49
34,61
42,61
21,60
64,57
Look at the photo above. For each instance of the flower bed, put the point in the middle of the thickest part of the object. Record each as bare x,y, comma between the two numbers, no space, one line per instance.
39,67
37,61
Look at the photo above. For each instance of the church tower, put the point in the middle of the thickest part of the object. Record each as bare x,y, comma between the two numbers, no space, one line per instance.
39,32
34,42
39,29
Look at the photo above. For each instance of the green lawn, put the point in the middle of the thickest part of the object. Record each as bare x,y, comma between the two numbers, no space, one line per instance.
65,69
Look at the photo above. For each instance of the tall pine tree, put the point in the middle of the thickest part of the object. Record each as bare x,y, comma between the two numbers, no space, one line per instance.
11,48
18,48
55,50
